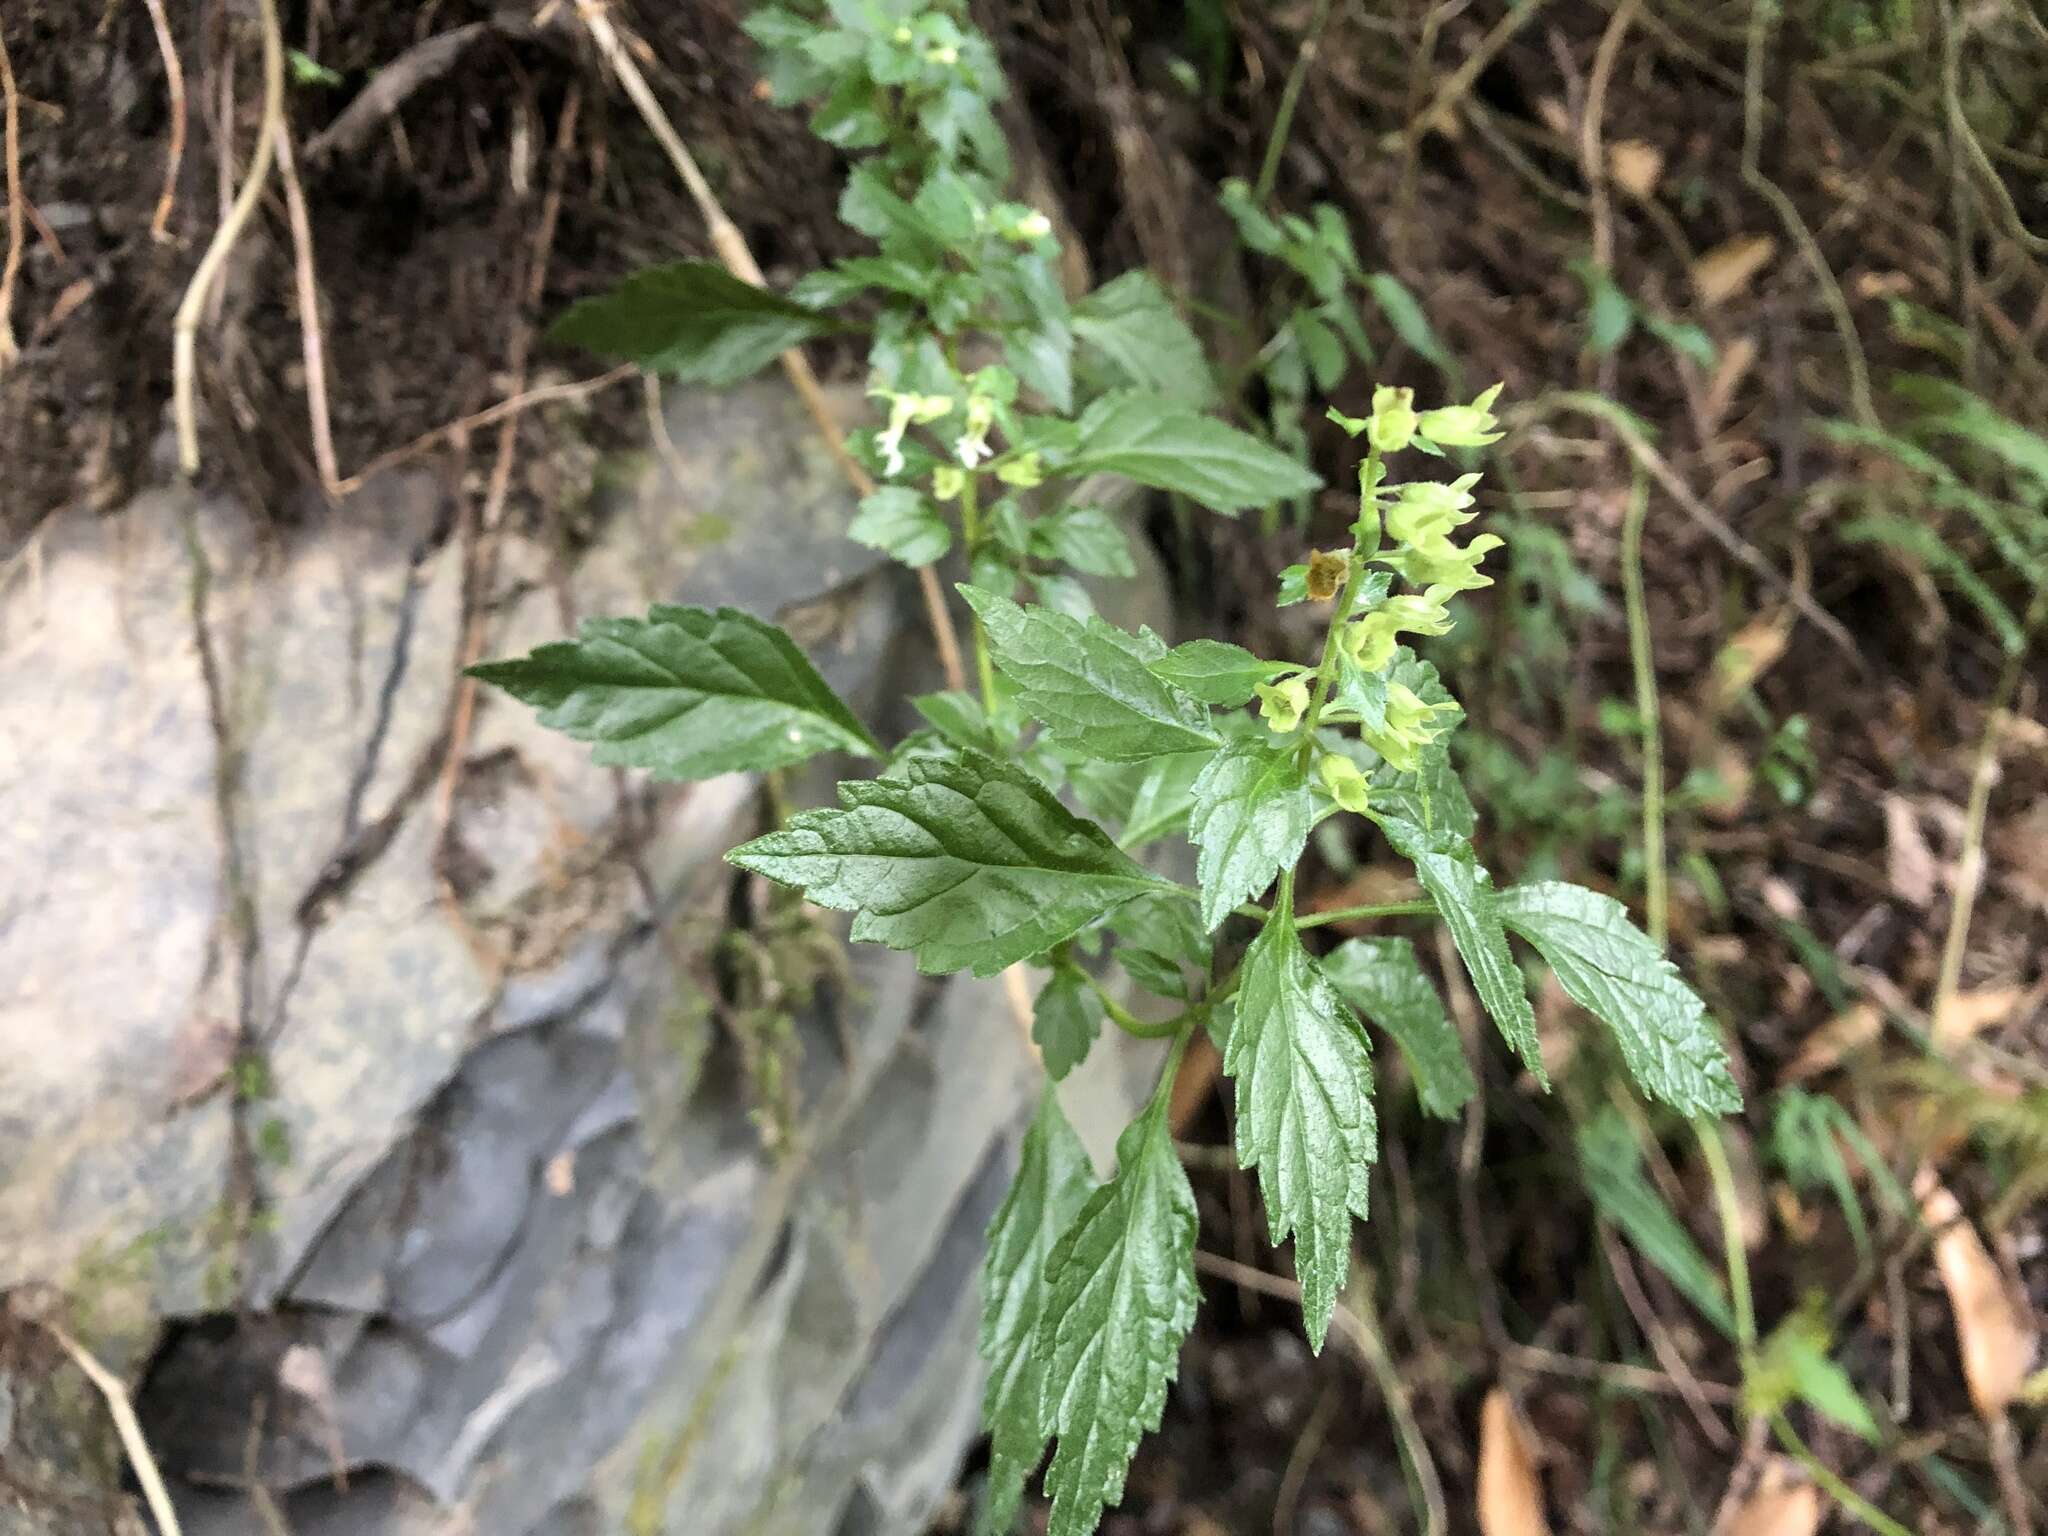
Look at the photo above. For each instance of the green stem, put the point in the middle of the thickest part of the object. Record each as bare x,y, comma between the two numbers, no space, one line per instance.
1729,1206
1326,669
1290,95
1164,1091
1838,1490
1360,914
970,535
1129,1022
1656,893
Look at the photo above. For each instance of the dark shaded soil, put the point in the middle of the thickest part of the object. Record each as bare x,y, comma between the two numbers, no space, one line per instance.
1789,905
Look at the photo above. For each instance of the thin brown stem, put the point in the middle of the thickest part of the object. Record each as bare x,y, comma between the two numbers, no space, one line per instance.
12,106
174,83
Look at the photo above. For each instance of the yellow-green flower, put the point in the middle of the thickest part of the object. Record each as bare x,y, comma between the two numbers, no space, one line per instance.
1392,425
1347,786
1463,426
1283,703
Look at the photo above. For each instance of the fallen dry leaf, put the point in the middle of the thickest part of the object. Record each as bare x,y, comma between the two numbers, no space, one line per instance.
1737,358
303,1373
2021,846
1994,1328
1749,654
1969,1014
1910,868
1822,1051
1636,166
1720,274
1510,1501
1781,1506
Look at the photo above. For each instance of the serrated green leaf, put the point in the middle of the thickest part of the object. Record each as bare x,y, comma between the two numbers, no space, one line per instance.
1123,1296
965,860
903,524
1250,820
1384,981
691,320
1132,322
1305,1116
1464,895
1610,968
1087,538
686,693
1215,672
1611,1167
1053,1182
1089,683
1159,442
1064,1021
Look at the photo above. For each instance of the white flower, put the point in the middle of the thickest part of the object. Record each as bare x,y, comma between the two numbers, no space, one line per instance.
973,446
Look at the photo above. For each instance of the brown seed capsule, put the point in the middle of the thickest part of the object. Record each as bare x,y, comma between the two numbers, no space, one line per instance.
1326,572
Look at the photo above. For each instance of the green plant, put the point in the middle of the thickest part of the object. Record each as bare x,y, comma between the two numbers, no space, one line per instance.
966,848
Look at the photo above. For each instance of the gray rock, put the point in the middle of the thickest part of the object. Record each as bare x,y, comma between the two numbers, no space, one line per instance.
410,1177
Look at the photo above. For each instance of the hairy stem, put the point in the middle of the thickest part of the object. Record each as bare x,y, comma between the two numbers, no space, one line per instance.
1364,913
1656,894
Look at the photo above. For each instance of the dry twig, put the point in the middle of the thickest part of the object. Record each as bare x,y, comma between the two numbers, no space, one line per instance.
8,350
125,1425
185,329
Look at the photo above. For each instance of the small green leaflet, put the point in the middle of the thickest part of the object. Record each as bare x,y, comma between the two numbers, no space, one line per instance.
1053,1182
1159,807
1304,1110
1216,673
685,693
692,320
1065,1020
902,524
1123,1295
958,717
1794,1362
1610,968
1250,820
967,861
1089,682
1383,980
1611,1166
1158,442
1406,316
1463,893
1131,321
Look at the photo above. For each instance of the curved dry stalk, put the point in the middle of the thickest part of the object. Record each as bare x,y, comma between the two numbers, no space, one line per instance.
174,82
126,1425
309,315
185,328
1589,131
8,350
